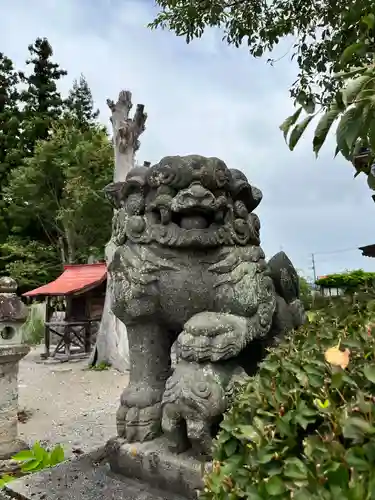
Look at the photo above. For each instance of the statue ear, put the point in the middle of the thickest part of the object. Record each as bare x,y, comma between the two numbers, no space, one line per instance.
114,193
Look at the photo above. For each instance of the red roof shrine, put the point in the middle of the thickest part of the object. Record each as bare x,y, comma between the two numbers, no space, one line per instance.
76,278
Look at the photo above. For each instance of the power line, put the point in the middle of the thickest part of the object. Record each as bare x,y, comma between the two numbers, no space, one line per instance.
343,250
328,252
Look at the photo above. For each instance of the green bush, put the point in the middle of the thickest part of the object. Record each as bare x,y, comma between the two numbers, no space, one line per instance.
304,427
350,280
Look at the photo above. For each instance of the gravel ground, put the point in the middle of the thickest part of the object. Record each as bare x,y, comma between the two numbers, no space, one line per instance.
68,403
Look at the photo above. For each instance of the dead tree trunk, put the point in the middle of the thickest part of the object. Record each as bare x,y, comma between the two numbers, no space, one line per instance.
112,341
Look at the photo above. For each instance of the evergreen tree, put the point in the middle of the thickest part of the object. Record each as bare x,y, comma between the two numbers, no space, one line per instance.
42,101
80,104
9,131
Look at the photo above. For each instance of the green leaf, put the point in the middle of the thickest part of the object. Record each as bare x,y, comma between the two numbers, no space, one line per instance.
253,493
270,366
337,380
31,465
23,456
337,475
230,447
371,129
5,479
265,458
39,452
352,72
295,469
349,52
307,102
348,130
369,372
357,428
354,458
289,122
369,451
57,455
283,426
324,126
249,432
354,87
275,486
227,425
369,20
298,131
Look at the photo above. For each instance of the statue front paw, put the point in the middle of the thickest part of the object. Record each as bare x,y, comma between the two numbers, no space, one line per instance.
139,415
210,336
192,432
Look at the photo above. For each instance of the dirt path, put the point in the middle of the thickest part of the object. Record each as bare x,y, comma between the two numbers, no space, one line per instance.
70,405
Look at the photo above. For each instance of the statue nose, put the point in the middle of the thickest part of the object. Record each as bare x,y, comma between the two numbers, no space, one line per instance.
199,192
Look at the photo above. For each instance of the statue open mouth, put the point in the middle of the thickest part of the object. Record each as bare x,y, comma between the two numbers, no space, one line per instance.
194,207
193,219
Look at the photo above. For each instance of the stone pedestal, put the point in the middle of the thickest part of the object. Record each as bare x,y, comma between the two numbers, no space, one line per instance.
9,360
153,464
81,479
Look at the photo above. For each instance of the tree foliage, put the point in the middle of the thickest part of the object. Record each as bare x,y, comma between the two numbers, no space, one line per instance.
9,130
318,33
30,262
59,190
303,427
41,99
80,104
54,161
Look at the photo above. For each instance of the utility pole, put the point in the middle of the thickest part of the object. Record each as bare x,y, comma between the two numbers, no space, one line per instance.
313,266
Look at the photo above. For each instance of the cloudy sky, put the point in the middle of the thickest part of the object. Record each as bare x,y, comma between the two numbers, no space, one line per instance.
209,99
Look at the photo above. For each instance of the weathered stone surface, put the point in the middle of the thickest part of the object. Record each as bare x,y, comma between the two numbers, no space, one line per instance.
9,361
194,400
153,463
188,271
81,480
8,285
13,312
11,306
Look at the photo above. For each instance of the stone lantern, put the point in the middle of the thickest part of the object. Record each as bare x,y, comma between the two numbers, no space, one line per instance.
13,314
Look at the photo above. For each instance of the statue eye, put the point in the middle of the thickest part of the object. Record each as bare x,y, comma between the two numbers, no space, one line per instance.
202,390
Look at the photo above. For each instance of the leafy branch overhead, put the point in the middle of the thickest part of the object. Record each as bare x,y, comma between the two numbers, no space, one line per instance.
315,33
352,108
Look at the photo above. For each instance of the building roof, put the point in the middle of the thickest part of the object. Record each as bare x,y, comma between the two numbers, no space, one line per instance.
76,278
368,250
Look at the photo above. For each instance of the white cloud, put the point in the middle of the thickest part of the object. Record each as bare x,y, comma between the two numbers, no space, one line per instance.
209,99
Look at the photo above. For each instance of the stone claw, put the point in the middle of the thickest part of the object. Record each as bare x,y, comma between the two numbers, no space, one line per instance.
139,424
213,337
139,415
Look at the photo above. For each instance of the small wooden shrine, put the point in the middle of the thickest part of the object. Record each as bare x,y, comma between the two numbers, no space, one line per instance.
80,292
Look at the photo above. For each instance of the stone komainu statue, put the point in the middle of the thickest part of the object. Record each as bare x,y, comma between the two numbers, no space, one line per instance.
188,272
